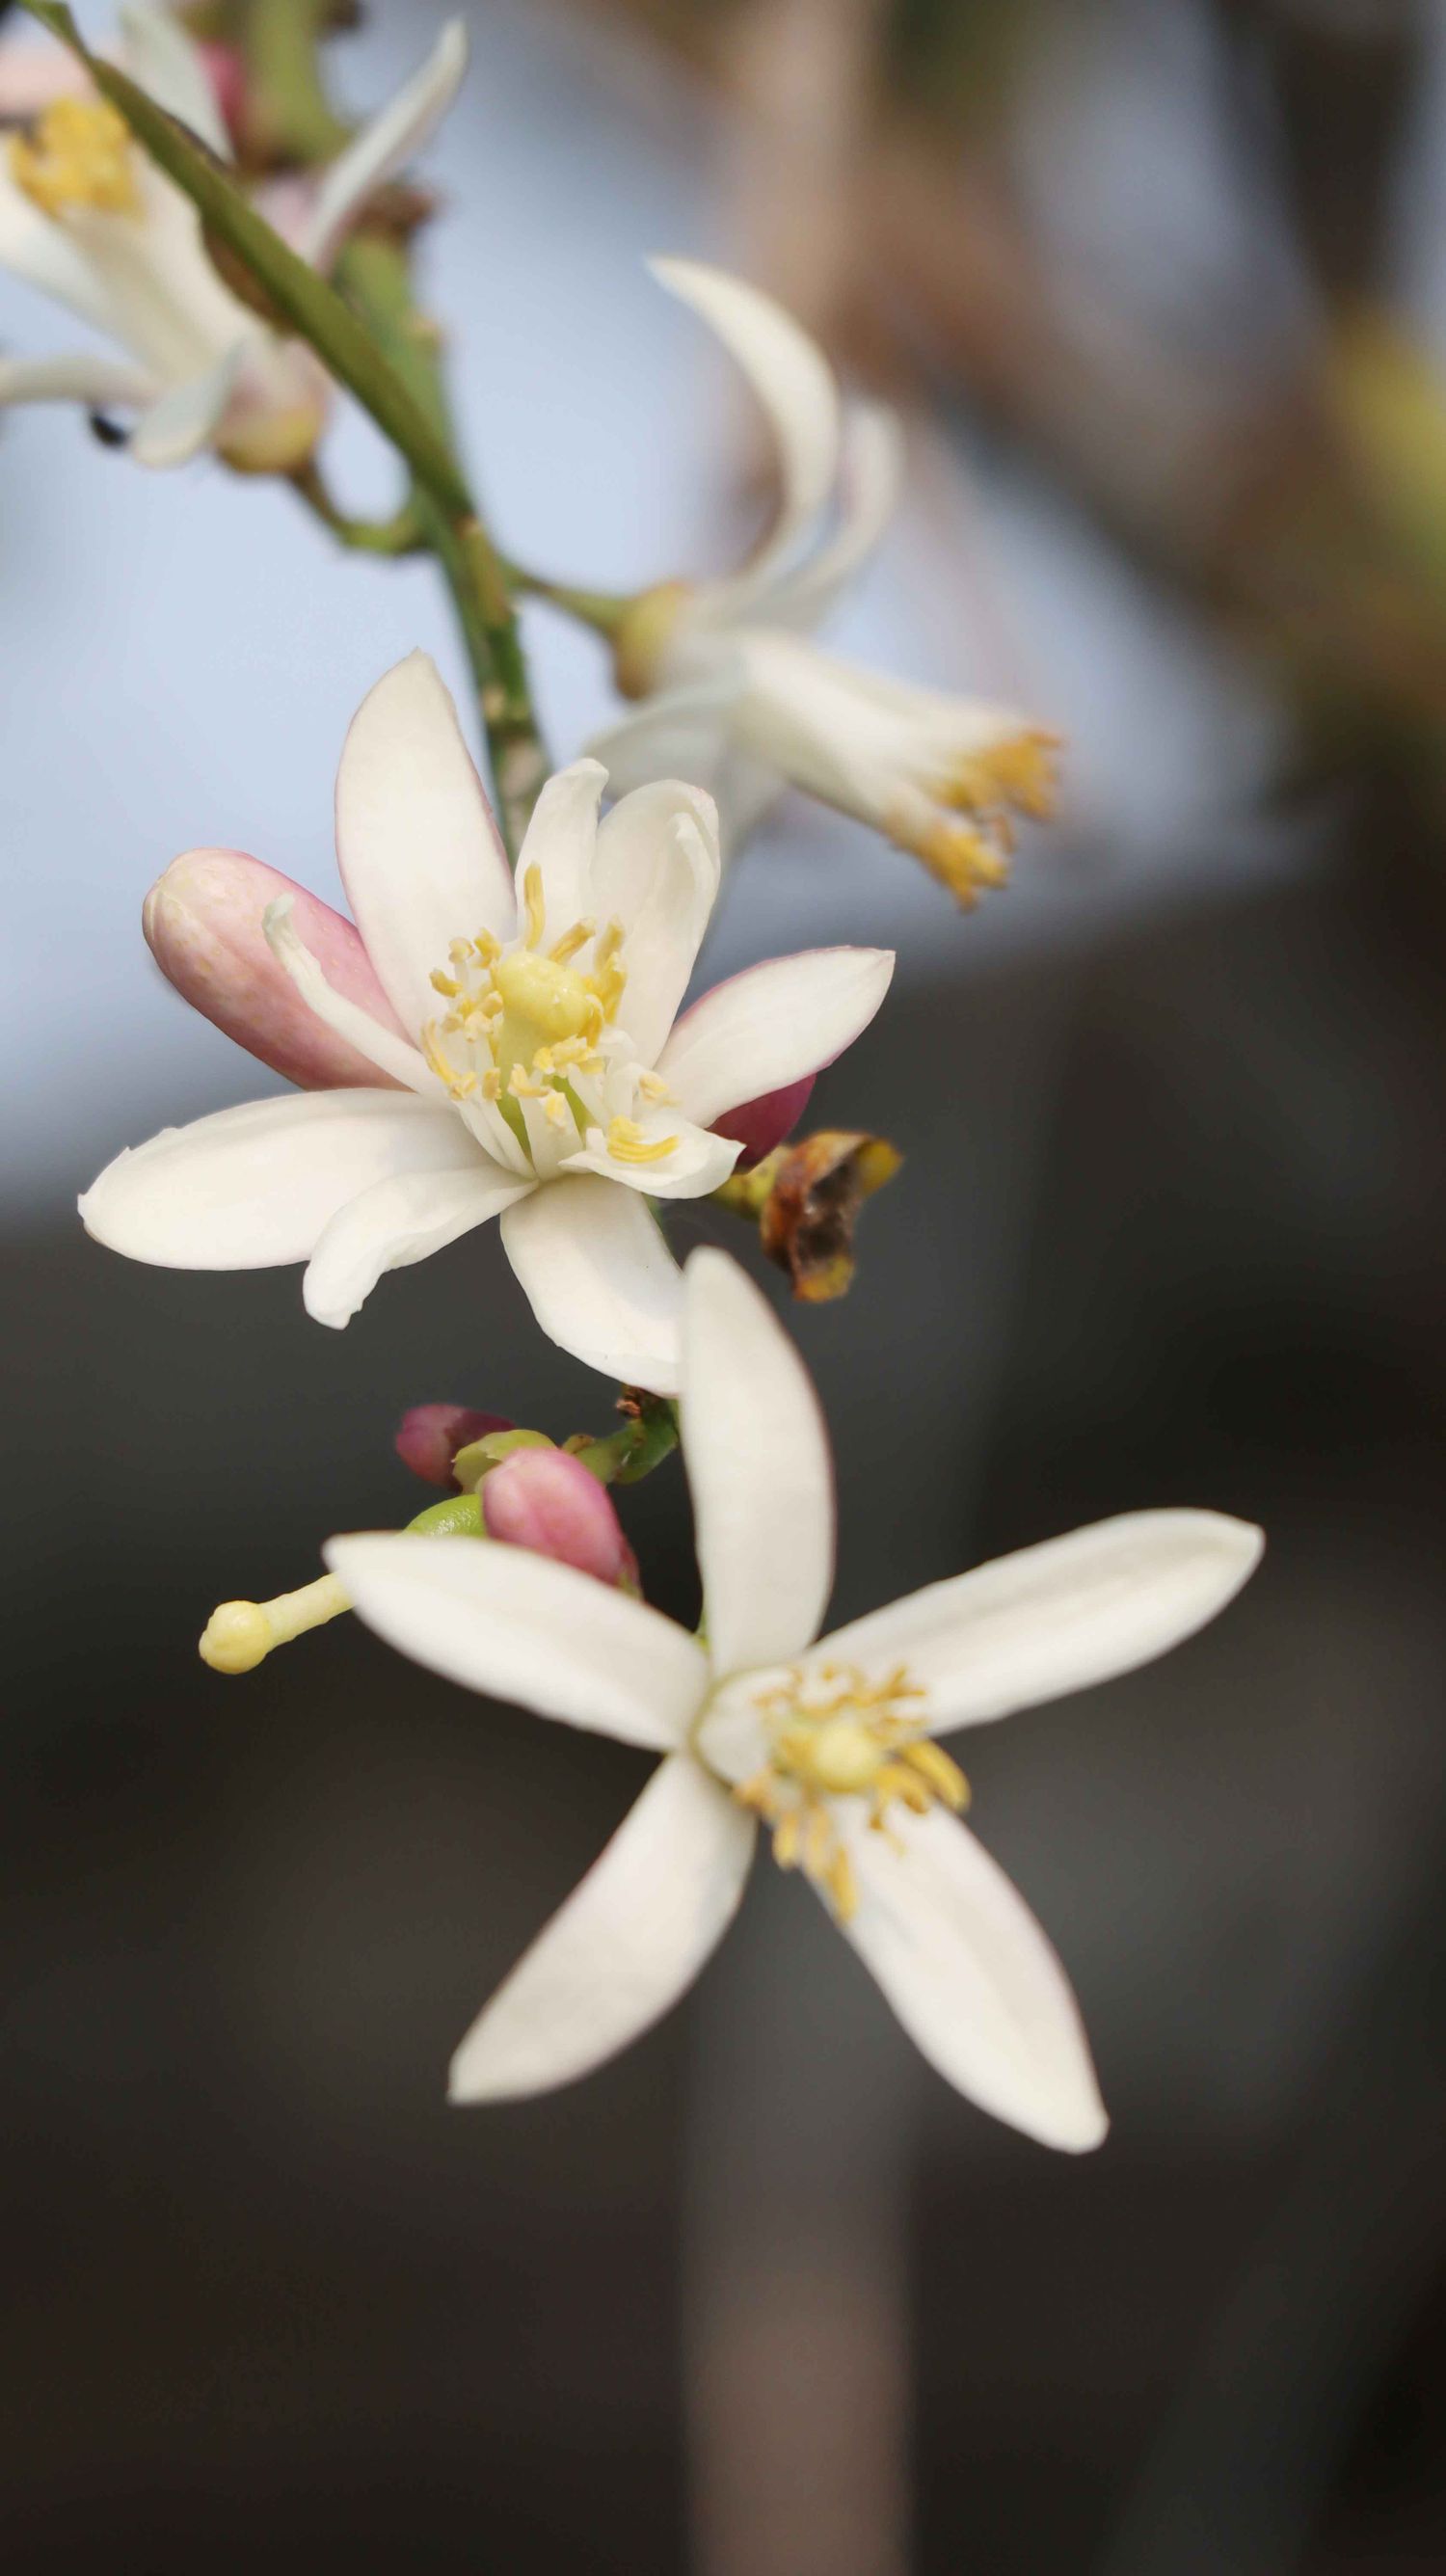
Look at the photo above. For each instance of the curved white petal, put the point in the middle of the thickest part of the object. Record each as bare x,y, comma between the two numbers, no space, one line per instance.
1058,1617
679,733
85,376
160,56
384,146
419,852
559,842
255,1186
396,1222
527,1629
759,1471
871,475
793,382
698,1161
971,1975
600,1278
187,417
656,870
629,1941
771,1025
345,1018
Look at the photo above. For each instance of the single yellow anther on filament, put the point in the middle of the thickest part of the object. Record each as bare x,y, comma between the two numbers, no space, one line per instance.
627,1144
609,975
534,904
240,1634
79,155
571,941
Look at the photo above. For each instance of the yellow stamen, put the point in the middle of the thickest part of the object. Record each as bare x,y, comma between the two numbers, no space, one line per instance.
534,905
843,1886
554,1109
571,941
653,1087
627,1143
942,1774
609,975
786,1837
80,155
446,985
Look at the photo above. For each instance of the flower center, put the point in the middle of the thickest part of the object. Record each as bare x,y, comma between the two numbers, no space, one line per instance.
834,1733
521,1024
79,153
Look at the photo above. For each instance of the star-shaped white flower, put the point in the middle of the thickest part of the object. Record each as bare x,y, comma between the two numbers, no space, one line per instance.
528,1038
734,692
88,219
831,1744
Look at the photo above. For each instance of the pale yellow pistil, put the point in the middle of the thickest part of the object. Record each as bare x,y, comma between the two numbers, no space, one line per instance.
836,1734
78,154
520,1024
240,1634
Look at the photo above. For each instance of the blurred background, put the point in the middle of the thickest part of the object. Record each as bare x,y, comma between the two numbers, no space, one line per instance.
1161,288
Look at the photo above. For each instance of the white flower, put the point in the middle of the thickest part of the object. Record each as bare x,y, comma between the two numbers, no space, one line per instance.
536,1070
88,219
735,694
830,1744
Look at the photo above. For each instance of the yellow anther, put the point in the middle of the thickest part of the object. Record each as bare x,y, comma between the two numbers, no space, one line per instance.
609,975
943,1775
555,1110
786,1835
461,952
492,1084
759,1795
440,1064
446,985
627,1144
521,1085
534,904
818,1842
957,854
843,1886
570,942
907,1786
653,1087
487,947
79,155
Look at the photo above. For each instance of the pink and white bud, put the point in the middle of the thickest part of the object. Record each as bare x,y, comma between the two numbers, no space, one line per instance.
759,1125
430,1435
546,1500
203,919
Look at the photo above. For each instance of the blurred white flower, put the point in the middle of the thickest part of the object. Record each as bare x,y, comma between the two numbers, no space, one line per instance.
735,694
88,219
528,1038
830,1744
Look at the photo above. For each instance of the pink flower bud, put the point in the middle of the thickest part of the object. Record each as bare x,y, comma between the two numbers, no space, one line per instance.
763,1123
547,1500
226,72
203,922
429,1437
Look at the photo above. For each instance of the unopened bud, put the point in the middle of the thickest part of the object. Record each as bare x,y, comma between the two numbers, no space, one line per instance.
760,1125
546,1500
430,1435
202,920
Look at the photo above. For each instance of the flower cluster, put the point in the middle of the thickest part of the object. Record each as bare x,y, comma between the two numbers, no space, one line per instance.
504,1025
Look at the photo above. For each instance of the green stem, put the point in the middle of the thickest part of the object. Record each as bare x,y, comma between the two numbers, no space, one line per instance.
642,1443
399,535
288,114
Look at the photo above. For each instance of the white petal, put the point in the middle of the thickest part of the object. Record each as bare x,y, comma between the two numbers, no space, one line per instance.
698,1160
1059,1617
527,1629
656,870
384,146
160,56
87,376
772,1025
971,1976
187,418
396,1222
600,1278
345,1018
759,1471
559,841
254,1186
419,852
793,382
871,477
629,1941
679,733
